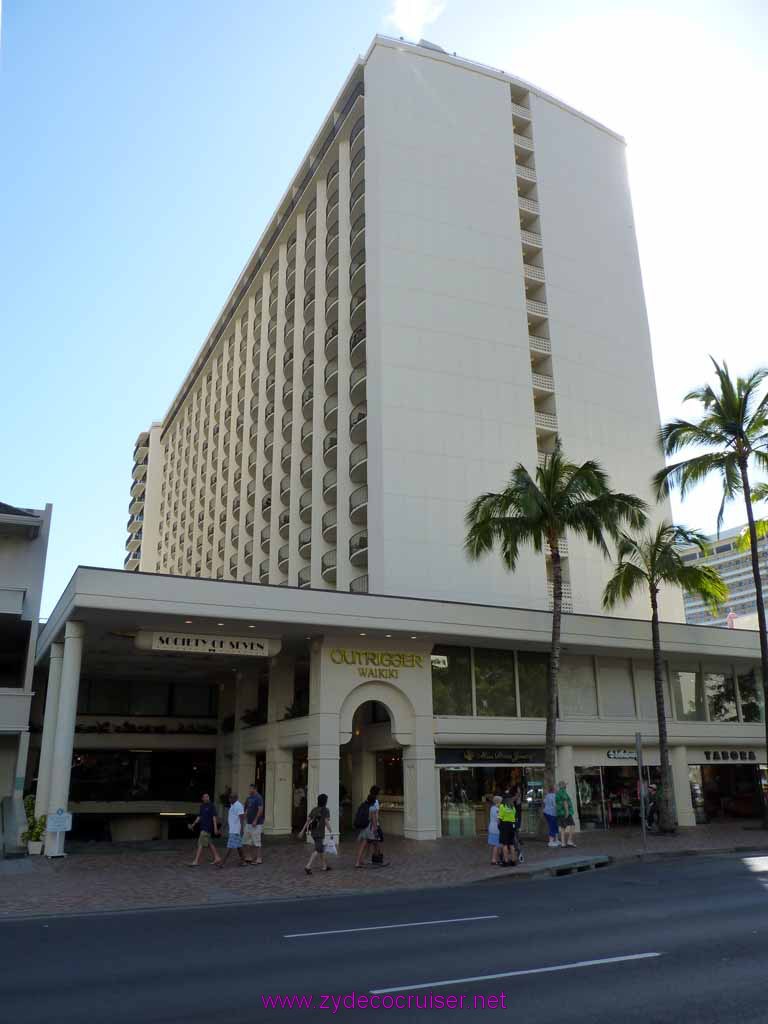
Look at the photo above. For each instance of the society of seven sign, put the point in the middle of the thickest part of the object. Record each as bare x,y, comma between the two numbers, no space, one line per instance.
190,643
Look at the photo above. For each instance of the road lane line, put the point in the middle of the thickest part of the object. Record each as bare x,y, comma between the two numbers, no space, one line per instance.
386,927
517,974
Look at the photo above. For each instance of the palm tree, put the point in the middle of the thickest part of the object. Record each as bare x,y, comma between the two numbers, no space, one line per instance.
538,511
759,493
651,561
734,430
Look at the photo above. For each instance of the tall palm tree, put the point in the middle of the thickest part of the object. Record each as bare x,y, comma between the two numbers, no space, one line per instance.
651,561
759,493
538,511
733,430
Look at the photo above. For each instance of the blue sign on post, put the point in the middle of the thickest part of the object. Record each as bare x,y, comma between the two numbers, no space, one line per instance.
59,822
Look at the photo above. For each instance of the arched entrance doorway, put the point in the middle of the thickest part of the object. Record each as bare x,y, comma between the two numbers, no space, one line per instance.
372,756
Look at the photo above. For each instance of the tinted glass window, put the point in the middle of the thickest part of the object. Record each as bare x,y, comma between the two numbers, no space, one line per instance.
532,669
495,682
451,681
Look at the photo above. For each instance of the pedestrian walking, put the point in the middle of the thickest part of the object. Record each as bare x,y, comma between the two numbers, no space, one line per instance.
517,800
565,822
493,831
235,825
507,816
254,825
209,827
369,834
550,814
317,823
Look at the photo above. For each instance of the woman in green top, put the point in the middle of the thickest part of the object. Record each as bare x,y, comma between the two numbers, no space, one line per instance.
565,822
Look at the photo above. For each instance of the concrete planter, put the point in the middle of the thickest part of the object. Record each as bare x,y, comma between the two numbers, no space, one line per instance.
34,849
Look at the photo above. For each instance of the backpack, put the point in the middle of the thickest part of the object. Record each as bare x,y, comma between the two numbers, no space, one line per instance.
363,816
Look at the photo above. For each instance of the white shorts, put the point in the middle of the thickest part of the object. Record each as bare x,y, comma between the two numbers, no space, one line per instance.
252,835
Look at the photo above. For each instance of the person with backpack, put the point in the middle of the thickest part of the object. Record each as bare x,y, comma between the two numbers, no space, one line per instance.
507,819
367,823
317,822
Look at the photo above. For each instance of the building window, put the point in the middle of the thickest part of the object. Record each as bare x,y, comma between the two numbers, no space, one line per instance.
617,699
495,683
721,696
126,775
532,670
645,688
576,687
451,681
688,693
751,694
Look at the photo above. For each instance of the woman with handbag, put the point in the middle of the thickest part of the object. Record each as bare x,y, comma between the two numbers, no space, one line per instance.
370,835
317,822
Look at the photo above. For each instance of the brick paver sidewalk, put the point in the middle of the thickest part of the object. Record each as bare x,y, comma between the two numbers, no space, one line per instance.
103,878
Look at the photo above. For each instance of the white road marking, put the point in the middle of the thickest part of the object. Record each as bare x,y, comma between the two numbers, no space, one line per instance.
517,974
386,927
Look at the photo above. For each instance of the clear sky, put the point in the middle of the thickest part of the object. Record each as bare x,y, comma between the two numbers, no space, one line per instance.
145,145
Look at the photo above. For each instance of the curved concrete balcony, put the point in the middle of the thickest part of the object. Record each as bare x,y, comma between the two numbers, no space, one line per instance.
332,176
357,168
359,585
305,577
248,552
287,424
306,401
285,490
140,470
357,201
309,275
288,392
137,490
356,137
331,341
305,542
307,430
264,571
308,338
305,507
282,558
308,368
332,307
331,377
542,383
330,411
266,507
310,216
249,520
305,470
357,382
357,346
284,523
357,308
330,446
329,486
357,236
309,309
332,244
264,538
525,173
328,566
310,243
358,504
285,455
358,423
358,463
332,211
357,272
358,549
269,444
266,476
545,422
250,492
329,522
270,390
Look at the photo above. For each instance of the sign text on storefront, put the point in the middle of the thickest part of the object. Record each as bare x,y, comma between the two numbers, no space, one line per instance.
190,643
376,664
730,755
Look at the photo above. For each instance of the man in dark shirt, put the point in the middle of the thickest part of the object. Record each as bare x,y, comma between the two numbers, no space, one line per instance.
209,827
253,825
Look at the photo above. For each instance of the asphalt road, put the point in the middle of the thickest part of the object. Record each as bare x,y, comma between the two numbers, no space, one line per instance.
705,917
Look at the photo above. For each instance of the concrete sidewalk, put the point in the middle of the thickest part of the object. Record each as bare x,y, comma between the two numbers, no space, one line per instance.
103,878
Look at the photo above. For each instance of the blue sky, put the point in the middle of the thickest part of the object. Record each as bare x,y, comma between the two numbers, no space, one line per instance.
145,146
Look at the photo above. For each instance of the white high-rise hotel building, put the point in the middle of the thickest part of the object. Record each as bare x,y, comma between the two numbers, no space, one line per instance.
450,280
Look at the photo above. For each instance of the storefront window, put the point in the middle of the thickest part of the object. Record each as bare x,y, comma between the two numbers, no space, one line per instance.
466,794
451,681
751,694
389,772
149,699
688,693
576,686
129,775
589,797
721,696
617,698
495,682
194,701
532,670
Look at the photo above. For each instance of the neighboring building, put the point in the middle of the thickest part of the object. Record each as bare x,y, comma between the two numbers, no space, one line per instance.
450,280
161,687
736,569
23,546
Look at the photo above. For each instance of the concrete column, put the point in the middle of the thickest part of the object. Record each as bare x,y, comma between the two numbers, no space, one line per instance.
323,763
279,792
61,766
419,786
22,753
49,730
281,673
681,784
566,773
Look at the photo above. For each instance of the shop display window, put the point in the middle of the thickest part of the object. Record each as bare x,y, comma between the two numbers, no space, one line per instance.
495,682
751,694
721,696
466,793
646,690
617,698
532,670
688,691
451,681
140,775
576,686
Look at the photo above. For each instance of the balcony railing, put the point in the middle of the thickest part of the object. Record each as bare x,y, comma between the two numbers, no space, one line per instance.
536,308
526,173
305,542
305,470
520,111
537,344
532,238
357,345
328,566
358,548
305,506
545,421
532,273
358,462
543,382
305,577
330,444
329,484
306,435
264,571
282,558
358,504
358,419
567,596
359,585
330,410
264,538
523,142
528,205
284,523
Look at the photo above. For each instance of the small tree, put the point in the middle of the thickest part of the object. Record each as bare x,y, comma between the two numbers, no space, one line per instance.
539,510
733,431
649,562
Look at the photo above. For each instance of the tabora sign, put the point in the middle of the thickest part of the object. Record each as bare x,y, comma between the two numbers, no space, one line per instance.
192,643
730,755
376,664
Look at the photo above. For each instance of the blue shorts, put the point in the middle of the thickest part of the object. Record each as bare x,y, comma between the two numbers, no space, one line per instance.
552,823
234,841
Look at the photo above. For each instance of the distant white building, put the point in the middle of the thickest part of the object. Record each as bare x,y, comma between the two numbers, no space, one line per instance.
450,280
736,569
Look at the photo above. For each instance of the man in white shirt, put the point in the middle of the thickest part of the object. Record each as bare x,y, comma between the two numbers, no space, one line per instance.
235,823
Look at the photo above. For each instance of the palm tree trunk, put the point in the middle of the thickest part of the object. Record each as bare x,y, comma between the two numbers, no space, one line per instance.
550,753
667,810
760,610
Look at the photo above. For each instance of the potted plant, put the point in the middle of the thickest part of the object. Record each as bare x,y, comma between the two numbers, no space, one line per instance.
34,833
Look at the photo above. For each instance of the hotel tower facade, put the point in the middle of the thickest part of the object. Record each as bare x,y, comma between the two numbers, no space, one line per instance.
449,282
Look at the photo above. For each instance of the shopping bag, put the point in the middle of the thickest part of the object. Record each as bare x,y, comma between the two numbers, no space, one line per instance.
330,846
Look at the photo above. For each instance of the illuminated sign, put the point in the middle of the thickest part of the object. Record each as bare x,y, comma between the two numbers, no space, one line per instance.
376,664
192,643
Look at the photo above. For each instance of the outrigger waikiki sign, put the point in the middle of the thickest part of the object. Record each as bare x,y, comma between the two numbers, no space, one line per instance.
376,664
